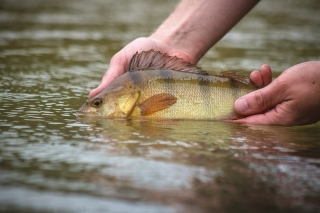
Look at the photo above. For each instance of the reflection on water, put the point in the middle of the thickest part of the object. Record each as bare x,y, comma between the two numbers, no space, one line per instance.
54,52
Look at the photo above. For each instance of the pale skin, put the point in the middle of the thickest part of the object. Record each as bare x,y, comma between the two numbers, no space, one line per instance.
194,27
291,99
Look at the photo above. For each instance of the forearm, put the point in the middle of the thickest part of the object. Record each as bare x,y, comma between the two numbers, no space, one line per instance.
196,25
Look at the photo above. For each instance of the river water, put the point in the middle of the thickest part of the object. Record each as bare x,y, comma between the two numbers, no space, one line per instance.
54,52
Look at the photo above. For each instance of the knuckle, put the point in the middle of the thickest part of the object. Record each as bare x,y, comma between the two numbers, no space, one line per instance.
282,85
116,59
260,100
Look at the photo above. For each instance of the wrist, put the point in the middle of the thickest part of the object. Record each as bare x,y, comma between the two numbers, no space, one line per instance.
195,26
174,46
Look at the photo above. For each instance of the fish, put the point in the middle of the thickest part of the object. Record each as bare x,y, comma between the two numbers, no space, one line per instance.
159,86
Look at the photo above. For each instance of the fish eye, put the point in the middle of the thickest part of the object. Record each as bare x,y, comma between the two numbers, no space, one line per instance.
96,102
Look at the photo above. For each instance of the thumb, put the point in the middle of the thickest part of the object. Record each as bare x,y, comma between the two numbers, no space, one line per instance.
260,100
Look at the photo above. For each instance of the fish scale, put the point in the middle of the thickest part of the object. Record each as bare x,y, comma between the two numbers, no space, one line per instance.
210,98
175,90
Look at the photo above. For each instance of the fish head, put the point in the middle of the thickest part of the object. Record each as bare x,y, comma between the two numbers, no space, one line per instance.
118,102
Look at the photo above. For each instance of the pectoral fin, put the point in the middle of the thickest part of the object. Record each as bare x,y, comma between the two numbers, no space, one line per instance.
157,103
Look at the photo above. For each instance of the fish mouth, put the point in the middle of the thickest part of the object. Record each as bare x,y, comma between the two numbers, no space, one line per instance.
86,110
84,113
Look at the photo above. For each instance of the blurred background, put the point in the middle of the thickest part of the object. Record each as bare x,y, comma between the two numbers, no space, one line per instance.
52,53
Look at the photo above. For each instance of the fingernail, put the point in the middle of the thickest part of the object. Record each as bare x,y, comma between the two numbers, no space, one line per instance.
242,105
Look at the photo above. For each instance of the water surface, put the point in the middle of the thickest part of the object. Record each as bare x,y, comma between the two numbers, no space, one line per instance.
54,52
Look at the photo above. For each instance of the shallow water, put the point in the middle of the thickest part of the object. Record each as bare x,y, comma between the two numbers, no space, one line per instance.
54,52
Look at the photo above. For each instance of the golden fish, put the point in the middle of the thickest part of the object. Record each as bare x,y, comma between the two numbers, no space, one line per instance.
159,86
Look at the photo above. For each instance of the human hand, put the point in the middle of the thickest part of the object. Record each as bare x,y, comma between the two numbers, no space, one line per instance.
120,60
291,99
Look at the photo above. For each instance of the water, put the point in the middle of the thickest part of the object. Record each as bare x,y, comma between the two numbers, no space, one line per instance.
54,52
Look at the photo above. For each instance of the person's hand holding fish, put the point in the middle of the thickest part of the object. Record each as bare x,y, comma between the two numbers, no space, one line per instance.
291,99
120,61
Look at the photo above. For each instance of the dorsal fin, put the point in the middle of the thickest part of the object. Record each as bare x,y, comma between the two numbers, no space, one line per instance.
151,59
234,75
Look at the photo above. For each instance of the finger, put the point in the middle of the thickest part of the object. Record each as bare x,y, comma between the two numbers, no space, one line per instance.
266,74
260,100
256,78
263,77
110,75
117,67
107,79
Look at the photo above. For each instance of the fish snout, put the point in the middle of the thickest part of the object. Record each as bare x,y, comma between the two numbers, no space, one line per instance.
86,109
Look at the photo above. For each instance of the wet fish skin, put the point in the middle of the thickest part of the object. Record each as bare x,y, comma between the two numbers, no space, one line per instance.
169,94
